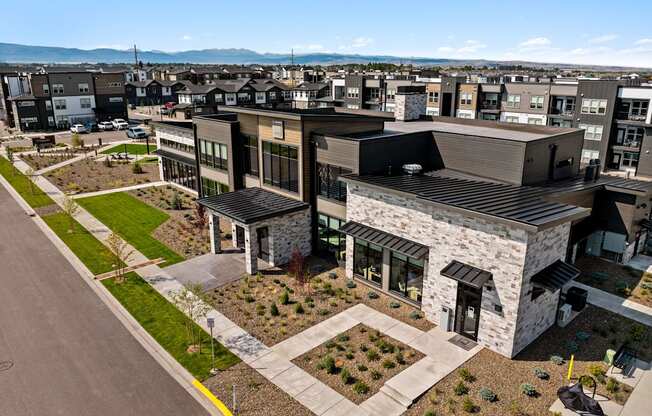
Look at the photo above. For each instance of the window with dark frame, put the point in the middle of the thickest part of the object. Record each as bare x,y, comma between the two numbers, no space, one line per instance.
210,187
213,155
331,240
406,276
281,166
250,146
368,261
328,183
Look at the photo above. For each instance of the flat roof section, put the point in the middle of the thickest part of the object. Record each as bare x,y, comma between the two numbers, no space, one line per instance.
250,205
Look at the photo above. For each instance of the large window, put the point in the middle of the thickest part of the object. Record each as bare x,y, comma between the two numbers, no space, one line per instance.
466,98
59,104
639,108
590,106
630,136
210,187
331,240
592,132
250,146
179,173
85,102
513,101
177,145
536,102
433,96
490,99
353,92
406,276
328,183
281,166
213,155
368,261
587,155
630,159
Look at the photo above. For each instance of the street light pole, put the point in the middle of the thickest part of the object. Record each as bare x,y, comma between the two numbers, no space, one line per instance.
211,323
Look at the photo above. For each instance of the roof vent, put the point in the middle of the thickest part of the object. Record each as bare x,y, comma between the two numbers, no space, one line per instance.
412,169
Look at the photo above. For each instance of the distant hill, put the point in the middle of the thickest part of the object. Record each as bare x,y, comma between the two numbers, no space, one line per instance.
15,53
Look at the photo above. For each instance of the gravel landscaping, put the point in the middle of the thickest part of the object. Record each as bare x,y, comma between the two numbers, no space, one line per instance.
255,395
91,175
616,279
358,362
250,302
588,337
42,161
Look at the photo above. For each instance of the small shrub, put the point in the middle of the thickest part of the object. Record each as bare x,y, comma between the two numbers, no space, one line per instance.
328,364
430,413
556,359
528,389
394,304
415,315
373,295
622,288
612,385
308,299
249,299
466,375
323,312
487,394
362,367
346,376
273,310
468,406
582,335
284,299
276,281
342,338
385,347
597,370
136,168
637,332
349,355
572,346
389,364
330,344
332,275
372,355
588,382
460,389
360,387
298,309
541,374
351,284
376,375
364,348
399,358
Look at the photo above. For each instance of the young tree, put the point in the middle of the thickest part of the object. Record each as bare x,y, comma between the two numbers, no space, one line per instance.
10,157
201,219
176,203
71,208
30,173
297,268
121,255
192,301
76,141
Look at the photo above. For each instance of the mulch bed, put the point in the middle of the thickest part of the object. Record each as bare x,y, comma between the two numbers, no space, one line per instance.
179,232
504,376
369,357
248,302
90,175
616,279
38,162
255,395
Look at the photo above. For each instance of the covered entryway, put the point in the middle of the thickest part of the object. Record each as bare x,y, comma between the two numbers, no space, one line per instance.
267,225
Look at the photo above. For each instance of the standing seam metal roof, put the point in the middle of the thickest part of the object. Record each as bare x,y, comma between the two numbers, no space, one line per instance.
384,239
466,274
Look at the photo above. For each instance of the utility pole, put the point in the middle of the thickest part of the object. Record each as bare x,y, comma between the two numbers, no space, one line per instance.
135,56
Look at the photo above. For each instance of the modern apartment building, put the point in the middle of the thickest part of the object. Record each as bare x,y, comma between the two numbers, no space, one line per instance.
475,222
153,92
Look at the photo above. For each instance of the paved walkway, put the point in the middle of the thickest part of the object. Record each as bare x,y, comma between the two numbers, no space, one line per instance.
616,304
123,189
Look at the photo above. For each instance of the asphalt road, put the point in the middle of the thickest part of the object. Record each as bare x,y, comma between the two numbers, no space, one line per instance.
70,354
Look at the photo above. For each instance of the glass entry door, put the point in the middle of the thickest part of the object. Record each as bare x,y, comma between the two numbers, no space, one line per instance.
240,236
467,311
263,243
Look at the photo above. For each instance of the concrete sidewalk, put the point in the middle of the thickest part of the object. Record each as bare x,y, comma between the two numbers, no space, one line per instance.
123,189
616,304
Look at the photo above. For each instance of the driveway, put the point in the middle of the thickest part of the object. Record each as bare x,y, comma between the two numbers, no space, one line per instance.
213,270
62,351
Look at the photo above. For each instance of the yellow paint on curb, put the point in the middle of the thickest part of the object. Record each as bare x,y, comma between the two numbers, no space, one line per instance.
225,410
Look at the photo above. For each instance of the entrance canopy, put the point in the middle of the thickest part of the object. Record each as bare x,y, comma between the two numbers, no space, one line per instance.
555,276
251,205
469,275
383,239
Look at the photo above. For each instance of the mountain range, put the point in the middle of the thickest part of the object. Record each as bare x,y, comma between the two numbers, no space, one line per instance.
16,53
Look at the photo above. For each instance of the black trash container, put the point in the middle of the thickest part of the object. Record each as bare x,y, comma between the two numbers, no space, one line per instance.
576,297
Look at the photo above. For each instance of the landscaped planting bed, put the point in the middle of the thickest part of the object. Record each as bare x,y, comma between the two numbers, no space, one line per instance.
357,362
186,229
617,279
255,395
133,220
248,302
587,337
42,161
90,175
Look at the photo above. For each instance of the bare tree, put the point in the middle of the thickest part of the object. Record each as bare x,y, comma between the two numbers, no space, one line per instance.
71,208
10,157
30,173
192,301
76,141
122,253
297,269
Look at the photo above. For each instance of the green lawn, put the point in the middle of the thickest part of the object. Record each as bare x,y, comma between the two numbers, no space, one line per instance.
166,324
32,195
134,221
95,255
132,148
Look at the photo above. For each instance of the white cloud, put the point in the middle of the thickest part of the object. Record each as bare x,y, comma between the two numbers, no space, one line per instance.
310,47
186,37
603,38
468,47
356,43
644,41
445,49
538,42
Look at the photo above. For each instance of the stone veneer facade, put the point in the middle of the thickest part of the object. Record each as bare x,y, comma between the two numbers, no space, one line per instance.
508,319
409,106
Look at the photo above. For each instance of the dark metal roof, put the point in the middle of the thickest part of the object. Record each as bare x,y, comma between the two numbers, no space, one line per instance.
555,276
175,156
522,204
387,240
466,274
252,204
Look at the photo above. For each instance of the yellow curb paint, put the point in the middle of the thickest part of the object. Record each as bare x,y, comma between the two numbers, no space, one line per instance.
225,410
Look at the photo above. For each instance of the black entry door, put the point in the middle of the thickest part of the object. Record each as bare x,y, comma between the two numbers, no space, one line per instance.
446,104
263,243
467,311
240,236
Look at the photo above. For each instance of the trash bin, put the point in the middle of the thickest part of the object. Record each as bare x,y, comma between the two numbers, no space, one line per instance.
576,297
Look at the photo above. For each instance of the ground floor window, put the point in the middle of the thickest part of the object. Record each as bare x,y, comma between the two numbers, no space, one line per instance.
179,173
630,159
210,187
406,276
368,261
331,240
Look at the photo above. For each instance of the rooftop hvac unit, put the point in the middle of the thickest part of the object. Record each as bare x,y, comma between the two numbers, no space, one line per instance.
564,315
412,169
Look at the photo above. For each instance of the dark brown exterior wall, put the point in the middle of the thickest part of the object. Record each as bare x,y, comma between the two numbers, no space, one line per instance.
71,83
645,158
617,213
338,152
378,155
537,155
227,133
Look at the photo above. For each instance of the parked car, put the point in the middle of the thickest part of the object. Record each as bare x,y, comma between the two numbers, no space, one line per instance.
137,133
92,127
78,128
105,126
120,124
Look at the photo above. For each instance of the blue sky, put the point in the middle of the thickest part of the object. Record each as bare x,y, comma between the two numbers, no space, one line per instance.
574,31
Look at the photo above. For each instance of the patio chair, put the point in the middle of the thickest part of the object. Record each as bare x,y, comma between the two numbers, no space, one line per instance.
574,398
624,357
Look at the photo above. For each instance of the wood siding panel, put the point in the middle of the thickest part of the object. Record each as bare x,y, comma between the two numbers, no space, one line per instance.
339,152
292,130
